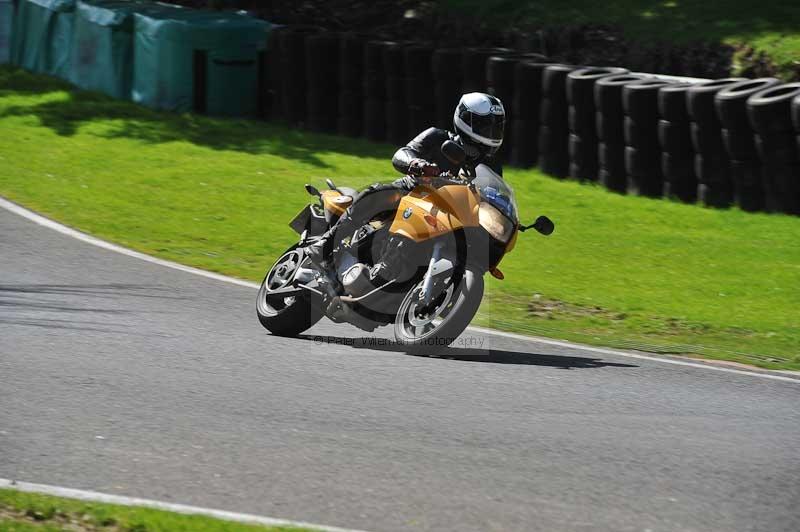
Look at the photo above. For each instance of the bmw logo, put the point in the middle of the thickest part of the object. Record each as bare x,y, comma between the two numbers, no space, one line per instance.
407,213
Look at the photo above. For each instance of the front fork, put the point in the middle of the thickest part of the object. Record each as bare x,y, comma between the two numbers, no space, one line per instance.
436,266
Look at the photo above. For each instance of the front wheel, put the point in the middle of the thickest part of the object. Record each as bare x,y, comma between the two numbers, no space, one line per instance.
281,315
437,324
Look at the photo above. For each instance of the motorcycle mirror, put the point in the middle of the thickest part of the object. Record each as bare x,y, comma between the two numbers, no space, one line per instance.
453,152
543,225
331,185
314,191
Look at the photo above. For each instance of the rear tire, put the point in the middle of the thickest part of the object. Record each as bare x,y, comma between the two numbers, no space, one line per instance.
459,307
287,316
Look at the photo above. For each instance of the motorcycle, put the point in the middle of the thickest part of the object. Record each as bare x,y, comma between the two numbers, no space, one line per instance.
435,246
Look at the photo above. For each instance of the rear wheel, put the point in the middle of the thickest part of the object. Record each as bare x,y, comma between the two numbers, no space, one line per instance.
437,324
280,314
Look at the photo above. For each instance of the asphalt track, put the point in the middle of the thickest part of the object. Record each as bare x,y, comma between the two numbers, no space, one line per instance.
125,377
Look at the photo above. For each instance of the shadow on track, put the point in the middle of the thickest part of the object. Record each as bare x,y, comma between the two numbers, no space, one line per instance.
488,356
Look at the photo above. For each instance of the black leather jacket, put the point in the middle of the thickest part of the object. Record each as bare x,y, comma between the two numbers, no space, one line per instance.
427,145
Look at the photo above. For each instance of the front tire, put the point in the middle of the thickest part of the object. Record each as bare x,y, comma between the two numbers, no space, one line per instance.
285,316
438,324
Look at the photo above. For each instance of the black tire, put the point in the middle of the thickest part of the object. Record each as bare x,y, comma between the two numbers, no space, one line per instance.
770,110
395,89
322,60
674,138
418,61
580,84
715,187
679,177
731,101
612,174
672,103
446,64
700,100
375,120
707,140
553,152
608,93
777,148
528,88
351,61
582,123
373,56
555,115
465,299
796,114
783,186
397,123
748,185
473,69
554,82
288,319
739,145
642,136
644,172
640,99
583,159
525,151
321,111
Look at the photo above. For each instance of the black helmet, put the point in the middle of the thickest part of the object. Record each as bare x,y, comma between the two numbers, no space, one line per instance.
480,120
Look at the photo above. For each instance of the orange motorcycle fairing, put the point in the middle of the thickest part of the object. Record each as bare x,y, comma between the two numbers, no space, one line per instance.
427,213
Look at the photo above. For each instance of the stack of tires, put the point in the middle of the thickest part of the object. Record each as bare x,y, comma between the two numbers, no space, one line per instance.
292,71
448,82
351,85
711,162
674,135
610,130
374,91
473,67
770,112
527,103
582,126
419,73
737,136
642,148
322,74
554,116
396,104
500,76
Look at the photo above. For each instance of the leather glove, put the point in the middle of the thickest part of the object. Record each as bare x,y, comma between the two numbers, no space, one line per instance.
421,168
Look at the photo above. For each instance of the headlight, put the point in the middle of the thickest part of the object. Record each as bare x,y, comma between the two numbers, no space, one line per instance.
495,223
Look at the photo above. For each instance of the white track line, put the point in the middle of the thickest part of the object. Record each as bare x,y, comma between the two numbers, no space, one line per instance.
46,222
94,496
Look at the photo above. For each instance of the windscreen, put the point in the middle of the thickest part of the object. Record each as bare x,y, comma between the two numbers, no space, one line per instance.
495,191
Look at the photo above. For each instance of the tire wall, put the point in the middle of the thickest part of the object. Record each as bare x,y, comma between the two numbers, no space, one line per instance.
640,130
583,138
677,152
774,115
711,162
725,142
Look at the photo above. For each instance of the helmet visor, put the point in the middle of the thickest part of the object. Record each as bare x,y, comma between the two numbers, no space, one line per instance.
489,126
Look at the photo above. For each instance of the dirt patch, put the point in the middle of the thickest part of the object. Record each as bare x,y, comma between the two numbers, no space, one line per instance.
71,523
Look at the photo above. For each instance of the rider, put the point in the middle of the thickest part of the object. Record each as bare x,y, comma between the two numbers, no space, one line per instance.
478,123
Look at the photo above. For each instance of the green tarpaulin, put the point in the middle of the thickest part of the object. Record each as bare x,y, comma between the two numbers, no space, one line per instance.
42,37
6,16
198,60
102,45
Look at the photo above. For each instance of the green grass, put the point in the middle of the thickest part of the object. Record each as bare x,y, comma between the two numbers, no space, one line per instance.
24,512
772,26
218,194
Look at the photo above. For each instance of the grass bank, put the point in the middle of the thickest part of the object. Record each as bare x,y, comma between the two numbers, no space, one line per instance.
772,26
217,194
30,512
